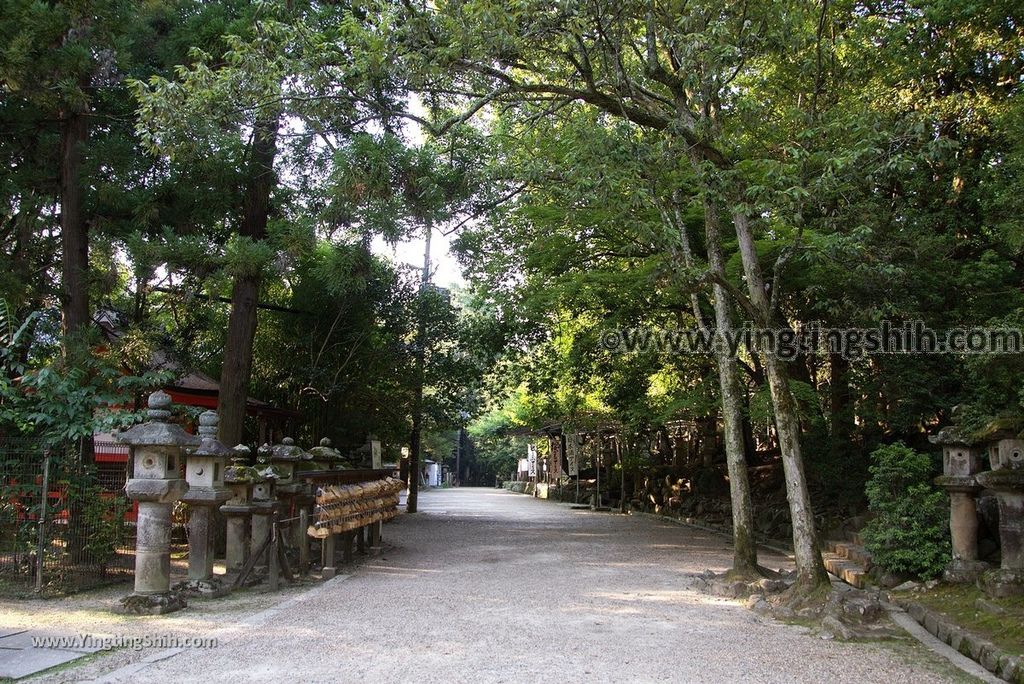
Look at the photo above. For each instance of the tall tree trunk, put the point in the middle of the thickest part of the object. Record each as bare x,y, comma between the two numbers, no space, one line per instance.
74,231
237,367
732,396
74,236
810,569
415,438
412,501
744,546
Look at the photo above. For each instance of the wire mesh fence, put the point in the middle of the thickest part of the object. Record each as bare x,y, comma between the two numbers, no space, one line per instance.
63,527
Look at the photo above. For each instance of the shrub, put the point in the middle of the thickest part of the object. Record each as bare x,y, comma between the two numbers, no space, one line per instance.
909,532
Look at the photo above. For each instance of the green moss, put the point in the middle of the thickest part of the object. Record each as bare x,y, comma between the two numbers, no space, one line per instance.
998,425
958,603
914,654
803,597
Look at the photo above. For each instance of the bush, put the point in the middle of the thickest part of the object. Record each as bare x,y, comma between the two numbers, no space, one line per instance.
909,532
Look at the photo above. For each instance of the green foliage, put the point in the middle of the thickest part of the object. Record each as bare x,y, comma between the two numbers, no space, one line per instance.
877,150
245,257
909,532
62,401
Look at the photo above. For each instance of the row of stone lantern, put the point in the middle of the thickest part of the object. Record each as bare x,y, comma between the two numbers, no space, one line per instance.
248,496
964,478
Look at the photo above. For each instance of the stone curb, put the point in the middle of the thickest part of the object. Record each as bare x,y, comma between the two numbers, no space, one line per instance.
774,546
978,649
770,546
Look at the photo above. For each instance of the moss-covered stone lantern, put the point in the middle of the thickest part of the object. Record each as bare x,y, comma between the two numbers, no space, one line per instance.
961,461
204,471
238,478
157,448
1006,479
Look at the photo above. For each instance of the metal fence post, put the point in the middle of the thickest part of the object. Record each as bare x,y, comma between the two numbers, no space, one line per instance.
41,538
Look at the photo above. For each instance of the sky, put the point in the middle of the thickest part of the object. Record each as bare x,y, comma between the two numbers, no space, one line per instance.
444,267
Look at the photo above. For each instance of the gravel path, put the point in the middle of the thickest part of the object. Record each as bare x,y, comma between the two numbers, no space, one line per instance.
489,586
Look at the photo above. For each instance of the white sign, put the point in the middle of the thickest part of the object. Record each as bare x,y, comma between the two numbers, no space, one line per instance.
531,456
572,453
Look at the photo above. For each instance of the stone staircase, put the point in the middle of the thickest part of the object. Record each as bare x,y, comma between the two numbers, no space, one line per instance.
848,560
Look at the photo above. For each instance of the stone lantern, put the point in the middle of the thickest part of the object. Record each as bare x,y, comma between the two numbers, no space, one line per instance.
326,457
287,457
377,453
295,493
1006,449
1006,479
157,449
263,502
961,461
238,478
204,470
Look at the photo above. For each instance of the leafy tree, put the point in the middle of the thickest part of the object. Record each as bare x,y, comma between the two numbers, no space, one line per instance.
910,530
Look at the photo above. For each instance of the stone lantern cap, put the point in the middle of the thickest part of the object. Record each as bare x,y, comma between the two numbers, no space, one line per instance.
288,452
1003,427
157,431
265,470
240,472
239,477
1006,446
209,445
207,488
327,453
951,436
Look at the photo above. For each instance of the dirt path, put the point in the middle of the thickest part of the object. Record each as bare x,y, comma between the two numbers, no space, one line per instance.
489,586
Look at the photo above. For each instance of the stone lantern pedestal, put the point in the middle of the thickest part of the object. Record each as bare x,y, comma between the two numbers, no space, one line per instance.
264,505
1008,579
238,478
157,449
204,471
960,463
1006,479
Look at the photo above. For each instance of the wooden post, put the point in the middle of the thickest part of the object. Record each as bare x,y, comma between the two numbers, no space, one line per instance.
622,477
346,546
361,539
41,543
303,541
330,569
275,540
375,534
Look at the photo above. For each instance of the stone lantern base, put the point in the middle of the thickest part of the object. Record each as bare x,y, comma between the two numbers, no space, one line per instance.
153,604
211,587
1002,583
961,571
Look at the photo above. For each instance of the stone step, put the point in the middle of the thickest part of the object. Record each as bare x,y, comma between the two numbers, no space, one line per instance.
849,571
850,551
